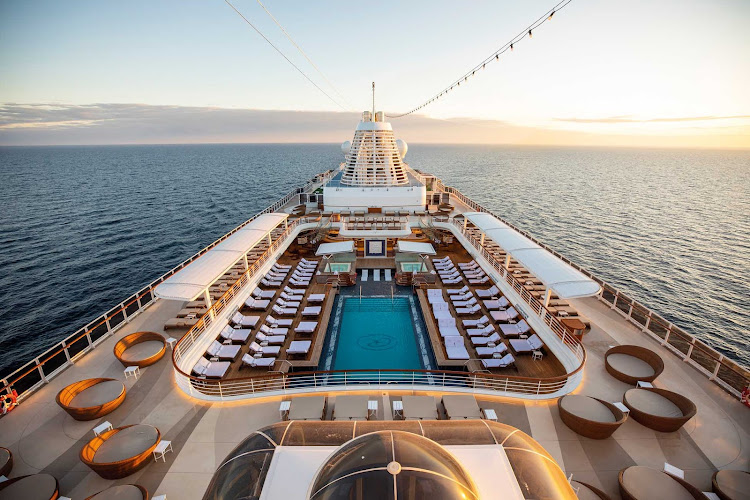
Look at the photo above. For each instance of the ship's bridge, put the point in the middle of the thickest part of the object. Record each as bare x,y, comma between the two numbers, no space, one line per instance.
374,174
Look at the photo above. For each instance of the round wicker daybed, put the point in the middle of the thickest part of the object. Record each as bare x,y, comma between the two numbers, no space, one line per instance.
631,364
6,461
731,484
590,417
122,492
659,409
122,451
32,487
588,492
140,349
91,398
644,483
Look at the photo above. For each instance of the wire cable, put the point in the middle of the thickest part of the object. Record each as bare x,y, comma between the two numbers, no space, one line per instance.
284,56
495,56
289,37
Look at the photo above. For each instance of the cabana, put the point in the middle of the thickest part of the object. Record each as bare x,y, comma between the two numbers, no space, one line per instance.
558,276
404,246
32,487
140,349
122,492
590,417
334,248
122,451
196,278
91,398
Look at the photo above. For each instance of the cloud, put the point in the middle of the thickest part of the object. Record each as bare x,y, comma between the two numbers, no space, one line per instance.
115,123
628,119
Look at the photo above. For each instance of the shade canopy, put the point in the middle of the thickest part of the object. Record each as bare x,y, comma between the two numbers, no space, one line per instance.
190,281
338,247
415,247
565,280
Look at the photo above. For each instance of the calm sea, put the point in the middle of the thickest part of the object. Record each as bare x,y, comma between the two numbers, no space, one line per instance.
82,228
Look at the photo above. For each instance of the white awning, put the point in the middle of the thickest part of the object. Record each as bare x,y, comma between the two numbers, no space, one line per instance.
190,281
565,280
338,247
415,247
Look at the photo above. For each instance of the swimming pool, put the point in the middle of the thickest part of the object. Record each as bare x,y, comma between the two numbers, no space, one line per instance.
339,267
412,267
376,334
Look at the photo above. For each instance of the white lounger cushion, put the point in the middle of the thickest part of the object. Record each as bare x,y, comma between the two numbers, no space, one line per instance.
491,351
459,291
271,350
496,304
271,339
452,281
283,303
477,322
306,327
479,281
285,311
465,303
311,311
526,345
506,360
504,315
494,338
258,362
480,331
449,331
273,331
235,334
493,291
516,329
299,347
240,319
294,291
470,310
316,297
264,294
278,321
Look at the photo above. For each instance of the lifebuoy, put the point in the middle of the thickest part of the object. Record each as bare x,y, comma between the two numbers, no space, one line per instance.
9,401
745,396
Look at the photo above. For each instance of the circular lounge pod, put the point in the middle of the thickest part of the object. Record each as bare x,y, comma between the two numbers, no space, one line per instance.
644,483
731,484
91,398
659,409
122,451
122,492
383,460
33,487
589,492
6,461
633,364
590,417
140,349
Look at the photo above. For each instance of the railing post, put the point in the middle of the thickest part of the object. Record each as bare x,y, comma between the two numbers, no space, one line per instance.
41,371
690,351
666,336
65,350
647,323
716,370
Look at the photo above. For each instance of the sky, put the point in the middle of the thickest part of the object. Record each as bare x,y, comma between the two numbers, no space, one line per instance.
664,73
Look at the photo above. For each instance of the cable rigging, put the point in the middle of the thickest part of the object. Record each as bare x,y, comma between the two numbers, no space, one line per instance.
495,56
283,55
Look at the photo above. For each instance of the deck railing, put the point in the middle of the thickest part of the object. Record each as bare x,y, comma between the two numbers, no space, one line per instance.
724,372
40,370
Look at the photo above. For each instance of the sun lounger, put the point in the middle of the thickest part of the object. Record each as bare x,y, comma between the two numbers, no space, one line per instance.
264,294
477,322
449,331
503,362
461,297
365,274
279,270
308,262
496,303
441,259
264,350
273,330
270,339
211,369
252,362
493,291
242,320
194,311
316,297
468,310
376,275
480,331
445,268
298,347
271,284
504,316
475,275
282,266
223,352
468,265
306,327
235,334
259,304
459,291
533,343
270,275
293,291
311,311
302,276
278,321
180,323
516,329
284,311
456,352
283,303
494,338
388,276
297,282
465,303
479,281
488,352
450,279
448,275
196,304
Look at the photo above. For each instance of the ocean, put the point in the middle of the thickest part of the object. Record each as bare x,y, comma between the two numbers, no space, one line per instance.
82,228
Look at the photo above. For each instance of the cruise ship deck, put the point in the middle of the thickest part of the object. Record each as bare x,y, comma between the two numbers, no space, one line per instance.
206,417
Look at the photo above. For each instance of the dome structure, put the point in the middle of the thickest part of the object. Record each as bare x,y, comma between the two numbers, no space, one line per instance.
345,147
392,464
402,147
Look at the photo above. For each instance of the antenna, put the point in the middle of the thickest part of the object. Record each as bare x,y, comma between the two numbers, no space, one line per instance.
373,101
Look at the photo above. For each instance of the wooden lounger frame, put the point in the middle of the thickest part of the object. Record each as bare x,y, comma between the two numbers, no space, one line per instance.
66,395
626,495
5,470
55,494
647,355
591,428
144,491
659,423
596,491
136,338
121,468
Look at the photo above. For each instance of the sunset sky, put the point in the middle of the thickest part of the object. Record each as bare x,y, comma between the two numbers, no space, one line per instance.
671,73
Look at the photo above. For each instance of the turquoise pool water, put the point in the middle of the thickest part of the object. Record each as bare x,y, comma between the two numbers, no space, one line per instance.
412,267
339,267
376,334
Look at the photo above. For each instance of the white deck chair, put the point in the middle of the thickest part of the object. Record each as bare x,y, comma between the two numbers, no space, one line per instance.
264,350
242,320
376,275
484,331
453,281
365,274
488,352
515,329
316,297
223,352
286,311
496,303
258,362
530,344
458,291
505,316
273,330
306,327
479,281
449,331
271,339
461,297
388,276
503,362
235,334
468,265
465,303
477,322
297,282
283,303
493,291
468,310
294,291
494,338
263,294
278,321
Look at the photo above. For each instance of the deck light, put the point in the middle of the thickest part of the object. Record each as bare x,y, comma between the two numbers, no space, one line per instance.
530,35
551,14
